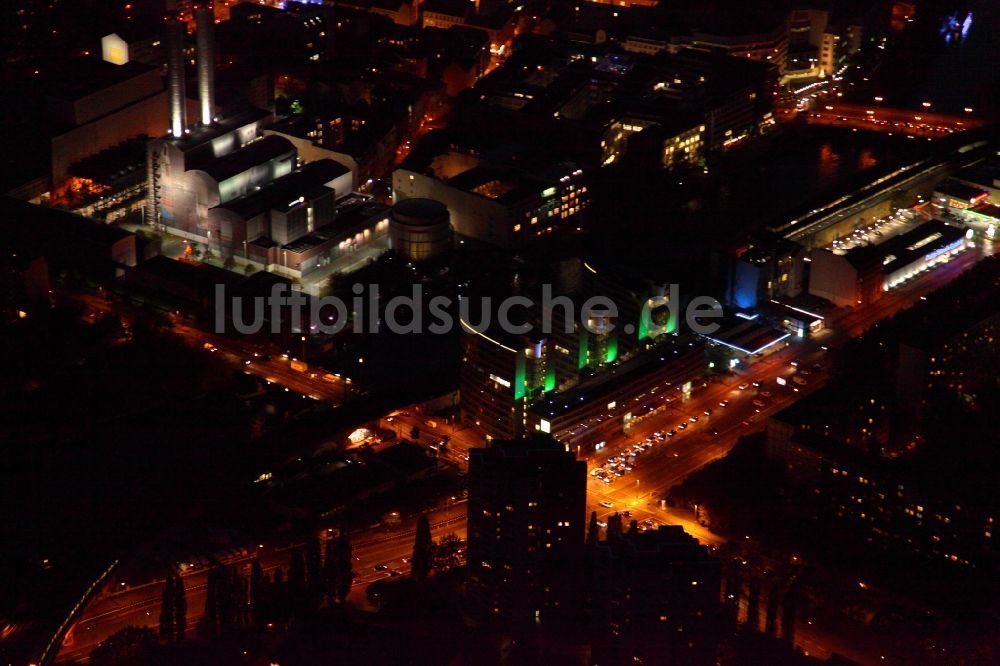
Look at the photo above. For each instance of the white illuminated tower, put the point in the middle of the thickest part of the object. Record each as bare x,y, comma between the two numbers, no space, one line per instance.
204,15
176,93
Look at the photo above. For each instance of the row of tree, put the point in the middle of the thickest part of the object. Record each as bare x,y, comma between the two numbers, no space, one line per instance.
234,601
615,528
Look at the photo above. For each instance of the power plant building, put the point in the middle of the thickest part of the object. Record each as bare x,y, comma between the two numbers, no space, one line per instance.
221,181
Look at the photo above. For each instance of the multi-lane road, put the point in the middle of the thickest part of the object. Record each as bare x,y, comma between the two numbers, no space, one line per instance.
140,605
877,118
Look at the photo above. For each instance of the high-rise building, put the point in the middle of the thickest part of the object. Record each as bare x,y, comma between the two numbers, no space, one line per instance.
527,507
655,599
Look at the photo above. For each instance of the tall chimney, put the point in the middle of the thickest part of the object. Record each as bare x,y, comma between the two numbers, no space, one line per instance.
204,16
176,94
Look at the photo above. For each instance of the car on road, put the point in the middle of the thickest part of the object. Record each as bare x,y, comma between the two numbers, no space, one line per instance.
708,412
671,433
682,426
693,419
743,387
395,573
766,394
606,504
724,403
758,402
798,380
755,384
816,367
381,567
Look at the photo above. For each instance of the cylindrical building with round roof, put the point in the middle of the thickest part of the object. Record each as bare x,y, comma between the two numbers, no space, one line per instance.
419,229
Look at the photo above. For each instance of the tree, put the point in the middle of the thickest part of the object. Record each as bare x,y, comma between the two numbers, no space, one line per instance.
331,567
614,527
167,610
771,612
345,570
592,530
208,625
313,563
423,550
297,569
229,263
788,610
448,552
180,609
753,604
258,592
298,591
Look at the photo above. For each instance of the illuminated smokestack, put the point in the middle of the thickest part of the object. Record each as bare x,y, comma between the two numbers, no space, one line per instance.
176,95
204,16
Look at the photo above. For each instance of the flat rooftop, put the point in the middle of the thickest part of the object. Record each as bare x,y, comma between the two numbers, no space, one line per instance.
953,188
112,164
203,134
308,182
348,218
748,336
905,248
79,77
45,226
609,381
255,153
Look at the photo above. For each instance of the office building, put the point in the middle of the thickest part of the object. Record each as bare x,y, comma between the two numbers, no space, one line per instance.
500,203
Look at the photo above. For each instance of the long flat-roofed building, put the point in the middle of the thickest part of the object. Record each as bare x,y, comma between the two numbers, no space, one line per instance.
67,241
861,275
